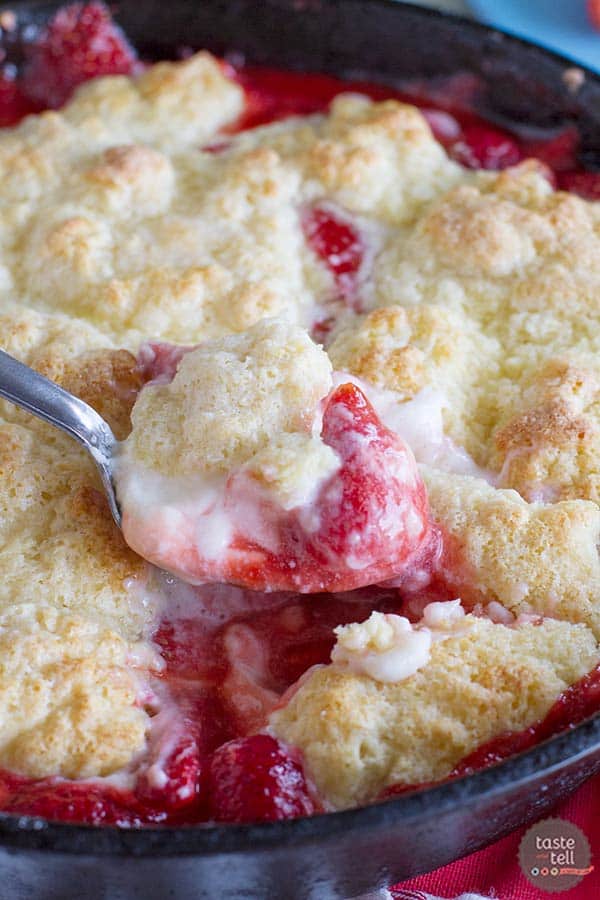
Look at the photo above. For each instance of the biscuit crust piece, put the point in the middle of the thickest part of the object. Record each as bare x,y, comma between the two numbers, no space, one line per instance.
359,736
532,558
73,620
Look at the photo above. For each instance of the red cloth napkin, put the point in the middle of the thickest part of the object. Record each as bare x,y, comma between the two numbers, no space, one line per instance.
494,872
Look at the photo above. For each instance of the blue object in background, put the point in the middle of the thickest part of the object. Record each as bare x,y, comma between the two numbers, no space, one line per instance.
561,25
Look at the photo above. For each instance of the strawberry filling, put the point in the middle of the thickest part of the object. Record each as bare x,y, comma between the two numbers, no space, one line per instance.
559,152
14,104
368,523
66,801
338,244
82,41
252,778
230,656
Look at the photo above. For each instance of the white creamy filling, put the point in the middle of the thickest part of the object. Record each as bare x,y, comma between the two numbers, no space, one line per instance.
174,505
167,729
212,509
177,501
389,648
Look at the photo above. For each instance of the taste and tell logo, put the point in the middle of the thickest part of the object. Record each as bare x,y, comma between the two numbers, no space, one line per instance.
554,855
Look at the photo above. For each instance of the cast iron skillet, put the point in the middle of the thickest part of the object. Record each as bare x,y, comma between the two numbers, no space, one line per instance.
344,854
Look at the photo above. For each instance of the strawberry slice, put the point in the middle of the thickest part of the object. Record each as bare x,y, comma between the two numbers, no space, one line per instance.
256,779
175,785
80,42
338,244
373,514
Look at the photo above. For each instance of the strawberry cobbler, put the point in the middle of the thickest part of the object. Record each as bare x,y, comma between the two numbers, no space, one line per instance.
348,340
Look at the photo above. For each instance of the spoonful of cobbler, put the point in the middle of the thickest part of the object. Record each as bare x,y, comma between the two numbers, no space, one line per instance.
250,463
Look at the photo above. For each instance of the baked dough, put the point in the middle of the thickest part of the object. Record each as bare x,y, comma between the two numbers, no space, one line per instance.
359,735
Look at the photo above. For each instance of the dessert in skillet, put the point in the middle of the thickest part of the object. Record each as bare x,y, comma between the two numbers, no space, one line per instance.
351,349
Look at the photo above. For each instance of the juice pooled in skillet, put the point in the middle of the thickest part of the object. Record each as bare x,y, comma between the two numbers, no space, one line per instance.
350,346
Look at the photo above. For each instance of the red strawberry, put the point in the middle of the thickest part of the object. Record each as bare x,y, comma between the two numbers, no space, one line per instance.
337,242
484,147
256,779
369,522
175,784
373,514
79,43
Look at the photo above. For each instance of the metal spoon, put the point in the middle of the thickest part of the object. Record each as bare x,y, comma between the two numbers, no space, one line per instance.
46,400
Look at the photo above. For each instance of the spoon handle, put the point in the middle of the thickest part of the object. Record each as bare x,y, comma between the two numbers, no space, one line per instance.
28,389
